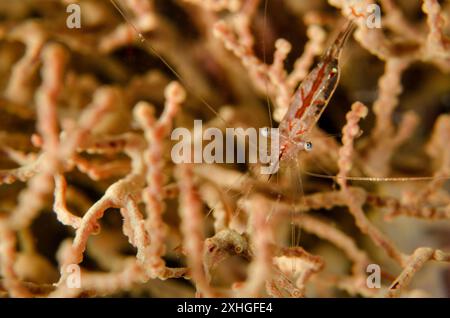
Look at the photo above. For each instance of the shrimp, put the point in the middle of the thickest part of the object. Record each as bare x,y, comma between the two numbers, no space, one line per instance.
309,102
307,105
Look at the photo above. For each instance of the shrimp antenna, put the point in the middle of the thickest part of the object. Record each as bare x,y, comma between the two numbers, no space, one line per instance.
375,179
155,52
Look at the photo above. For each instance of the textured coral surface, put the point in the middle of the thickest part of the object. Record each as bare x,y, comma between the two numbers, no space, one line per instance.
91,203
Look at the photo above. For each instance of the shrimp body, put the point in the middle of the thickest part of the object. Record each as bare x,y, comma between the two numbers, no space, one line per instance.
311,99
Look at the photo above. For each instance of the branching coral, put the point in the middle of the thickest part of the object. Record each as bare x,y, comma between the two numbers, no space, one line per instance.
88,189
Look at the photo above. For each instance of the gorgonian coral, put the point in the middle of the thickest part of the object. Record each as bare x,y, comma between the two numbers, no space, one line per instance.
91,203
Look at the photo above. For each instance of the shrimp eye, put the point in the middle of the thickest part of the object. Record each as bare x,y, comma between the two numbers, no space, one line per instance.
308,146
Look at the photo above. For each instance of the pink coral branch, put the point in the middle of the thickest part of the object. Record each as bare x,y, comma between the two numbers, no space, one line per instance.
155,133
7,261
260,268
192,228
437,43
351,131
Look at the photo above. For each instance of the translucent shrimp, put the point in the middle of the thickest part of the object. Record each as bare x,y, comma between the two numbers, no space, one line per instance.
311,99
305,109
